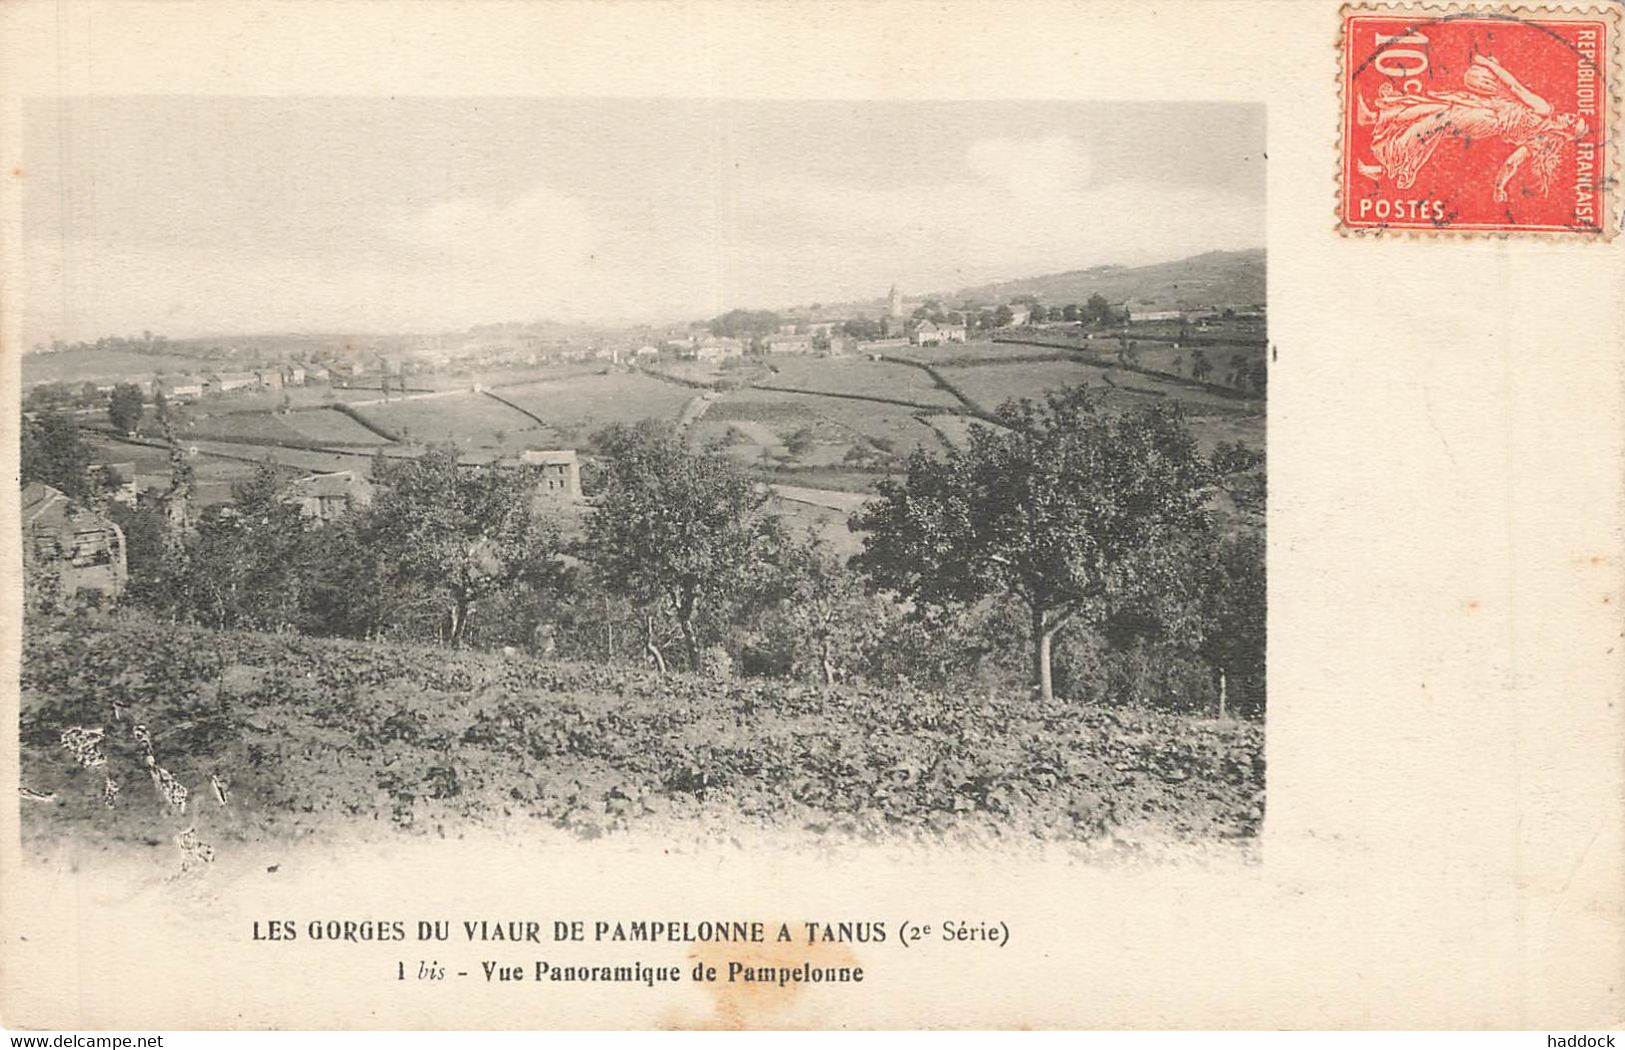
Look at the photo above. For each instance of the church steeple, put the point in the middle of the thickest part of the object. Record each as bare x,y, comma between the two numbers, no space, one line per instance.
894,304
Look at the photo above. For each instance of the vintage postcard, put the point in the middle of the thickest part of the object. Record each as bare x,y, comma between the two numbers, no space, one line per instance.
874,515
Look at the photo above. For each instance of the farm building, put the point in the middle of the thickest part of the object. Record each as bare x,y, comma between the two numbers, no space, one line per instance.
647,352
560,473
316,374
930,333
325,497
230,382
789,344
1020,313
1146,313
294,375
179,388
270,378
715,348
84,547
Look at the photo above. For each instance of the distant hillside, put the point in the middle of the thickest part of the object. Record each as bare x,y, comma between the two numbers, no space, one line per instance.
1209,279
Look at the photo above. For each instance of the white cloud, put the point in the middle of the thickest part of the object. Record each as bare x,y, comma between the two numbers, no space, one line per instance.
1029,206
1003,207
1037,170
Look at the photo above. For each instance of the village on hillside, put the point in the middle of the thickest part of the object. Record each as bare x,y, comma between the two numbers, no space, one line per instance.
322,414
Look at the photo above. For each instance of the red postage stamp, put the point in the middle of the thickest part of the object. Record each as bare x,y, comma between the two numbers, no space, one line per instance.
1481,119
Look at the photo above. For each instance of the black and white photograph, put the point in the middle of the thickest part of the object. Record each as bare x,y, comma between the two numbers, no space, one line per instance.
881,471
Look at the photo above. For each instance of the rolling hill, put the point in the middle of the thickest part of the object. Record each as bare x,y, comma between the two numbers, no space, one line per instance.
1210,279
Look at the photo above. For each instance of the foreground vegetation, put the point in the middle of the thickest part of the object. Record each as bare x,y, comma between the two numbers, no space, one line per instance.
133,729
1048,632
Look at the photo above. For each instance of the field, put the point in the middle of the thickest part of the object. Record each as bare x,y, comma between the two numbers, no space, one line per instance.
307,427
585,403
989,385
960,353
992,385
858,377
330,428
841,436
468,419
301,735
104,366
875,429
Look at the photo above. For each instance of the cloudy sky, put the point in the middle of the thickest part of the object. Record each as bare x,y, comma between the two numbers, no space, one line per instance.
220,216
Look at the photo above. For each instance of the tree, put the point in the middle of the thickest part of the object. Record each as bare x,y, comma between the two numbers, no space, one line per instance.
1234,611
1062,507
124,408
813,614
1039,314
1070,313
675,531
745,324
1201,367
242,566
1003,316
801,442
1097,309
53,452
453,535
1240,369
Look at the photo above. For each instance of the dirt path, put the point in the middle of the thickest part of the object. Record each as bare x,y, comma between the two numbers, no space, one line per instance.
694,410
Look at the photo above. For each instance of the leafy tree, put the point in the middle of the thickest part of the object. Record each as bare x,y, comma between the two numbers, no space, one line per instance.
455,536
1039,314
1070,312
124,408
1097,309
814,617
1240,369
241,566
145,538
1235,608
801,442
1201,367
54,452
1003,316
1239,471
675,531
745,324
1064,507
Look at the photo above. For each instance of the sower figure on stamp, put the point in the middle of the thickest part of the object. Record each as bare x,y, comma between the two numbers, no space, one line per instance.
1410,127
